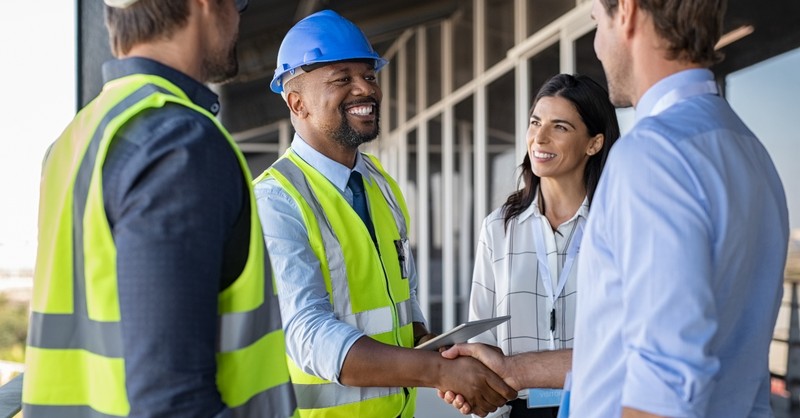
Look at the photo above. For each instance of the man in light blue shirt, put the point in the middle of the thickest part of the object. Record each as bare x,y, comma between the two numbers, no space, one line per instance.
681,268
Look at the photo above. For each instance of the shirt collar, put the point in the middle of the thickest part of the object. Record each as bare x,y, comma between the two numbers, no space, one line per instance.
335,172
666,85
533,210
197,92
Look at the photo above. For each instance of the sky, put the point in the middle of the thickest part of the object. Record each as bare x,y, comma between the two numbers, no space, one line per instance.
37,72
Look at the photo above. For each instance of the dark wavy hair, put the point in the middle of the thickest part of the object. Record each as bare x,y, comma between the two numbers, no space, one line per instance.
597,113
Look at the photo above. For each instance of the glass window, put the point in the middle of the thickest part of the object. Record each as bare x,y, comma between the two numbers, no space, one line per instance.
435,270
390,70
433,52
499,30
501,130
411,77
767,96
542,66
463,45
542,12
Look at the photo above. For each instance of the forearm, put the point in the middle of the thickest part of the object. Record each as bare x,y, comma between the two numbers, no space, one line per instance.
635,413
371,363
543,369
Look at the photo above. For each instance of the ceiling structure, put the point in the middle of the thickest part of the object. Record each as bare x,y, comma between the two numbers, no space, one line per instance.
249,102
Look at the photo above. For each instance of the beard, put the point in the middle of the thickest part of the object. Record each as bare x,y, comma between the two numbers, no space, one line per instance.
349,137
619,79
223,66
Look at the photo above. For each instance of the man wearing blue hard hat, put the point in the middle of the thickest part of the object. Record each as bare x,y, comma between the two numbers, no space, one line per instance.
336,226
147,301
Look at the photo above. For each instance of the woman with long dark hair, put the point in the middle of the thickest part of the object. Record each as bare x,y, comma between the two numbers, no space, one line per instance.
527,248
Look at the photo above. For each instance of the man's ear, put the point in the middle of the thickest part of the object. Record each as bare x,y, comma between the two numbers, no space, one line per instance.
595,144
627,13
296,105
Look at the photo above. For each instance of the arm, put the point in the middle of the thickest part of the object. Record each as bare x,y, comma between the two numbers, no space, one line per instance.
635,413
662,239
173,190
306,310
357,360
543,369
370,363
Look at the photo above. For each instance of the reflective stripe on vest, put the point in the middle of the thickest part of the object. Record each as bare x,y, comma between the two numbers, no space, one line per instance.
75,365
314,394
376,319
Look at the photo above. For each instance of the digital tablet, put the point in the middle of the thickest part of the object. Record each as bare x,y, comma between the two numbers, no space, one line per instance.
462,333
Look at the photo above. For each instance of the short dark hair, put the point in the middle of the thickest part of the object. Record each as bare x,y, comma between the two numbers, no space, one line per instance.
691,27
144,21
597,113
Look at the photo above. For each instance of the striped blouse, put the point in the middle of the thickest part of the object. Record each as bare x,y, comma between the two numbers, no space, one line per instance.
506,281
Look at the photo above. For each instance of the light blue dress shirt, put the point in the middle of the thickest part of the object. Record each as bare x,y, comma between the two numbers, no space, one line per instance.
681,268
315,339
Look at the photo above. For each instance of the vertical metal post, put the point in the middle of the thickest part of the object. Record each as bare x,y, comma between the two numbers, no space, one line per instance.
480,120
448,241
402,115
423,173
465,242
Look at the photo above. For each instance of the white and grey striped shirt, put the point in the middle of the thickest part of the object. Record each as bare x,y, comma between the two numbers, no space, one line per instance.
506,281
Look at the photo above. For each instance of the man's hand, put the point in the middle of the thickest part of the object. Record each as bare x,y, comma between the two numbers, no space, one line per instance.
481,390
490,356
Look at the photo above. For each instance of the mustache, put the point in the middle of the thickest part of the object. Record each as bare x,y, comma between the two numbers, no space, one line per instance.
368,100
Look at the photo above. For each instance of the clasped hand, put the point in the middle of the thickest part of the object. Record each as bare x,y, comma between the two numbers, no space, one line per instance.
480,356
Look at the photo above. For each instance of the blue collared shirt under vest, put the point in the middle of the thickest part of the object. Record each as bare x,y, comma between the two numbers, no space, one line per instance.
308,318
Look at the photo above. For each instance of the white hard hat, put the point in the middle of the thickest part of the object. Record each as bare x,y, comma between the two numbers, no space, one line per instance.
121,4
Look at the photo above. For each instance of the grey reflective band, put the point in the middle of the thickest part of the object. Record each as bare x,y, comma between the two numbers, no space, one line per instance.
377,176
327,395
76,330
380,320
62,411
238,330
276,402
333,250
404,312
372,322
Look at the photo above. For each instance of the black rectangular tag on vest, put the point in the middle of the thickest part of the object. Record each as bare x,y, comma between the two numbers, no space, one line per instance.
402,247
553,320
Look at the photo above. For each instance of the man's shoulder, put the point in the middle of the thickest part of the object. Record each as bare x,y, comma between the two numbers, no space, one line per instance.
178,123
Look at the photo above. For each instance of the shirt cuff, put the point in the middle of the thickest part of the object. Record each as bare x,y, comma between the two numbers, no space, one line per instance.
660,387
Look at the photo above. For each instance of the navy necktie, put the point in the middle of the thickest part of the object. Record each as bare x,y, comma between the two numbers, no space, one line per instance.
356,185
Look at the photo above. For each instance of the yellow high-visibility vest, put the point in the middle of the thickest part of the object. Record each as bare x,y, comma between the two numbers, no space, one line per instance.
74,360
366,284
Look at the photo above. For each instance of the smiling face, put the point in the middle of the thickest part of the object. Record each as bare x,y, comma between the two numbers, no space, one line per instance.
342,102
559,144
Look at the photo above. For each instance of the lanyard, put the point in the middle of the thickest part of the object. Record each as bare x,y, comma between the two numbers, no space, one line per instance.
544,269
683,92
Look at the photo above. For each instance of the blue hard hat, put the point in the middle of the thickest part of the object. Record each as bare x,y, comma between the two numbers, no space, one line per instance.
321,38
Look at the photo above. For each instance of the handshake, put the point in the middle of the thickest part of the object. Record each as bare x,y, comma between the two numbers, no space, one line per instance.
485,379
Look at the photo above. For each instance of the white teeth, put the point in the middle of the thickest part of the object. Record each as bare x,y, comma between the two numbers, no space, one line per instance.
539,154
360,110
